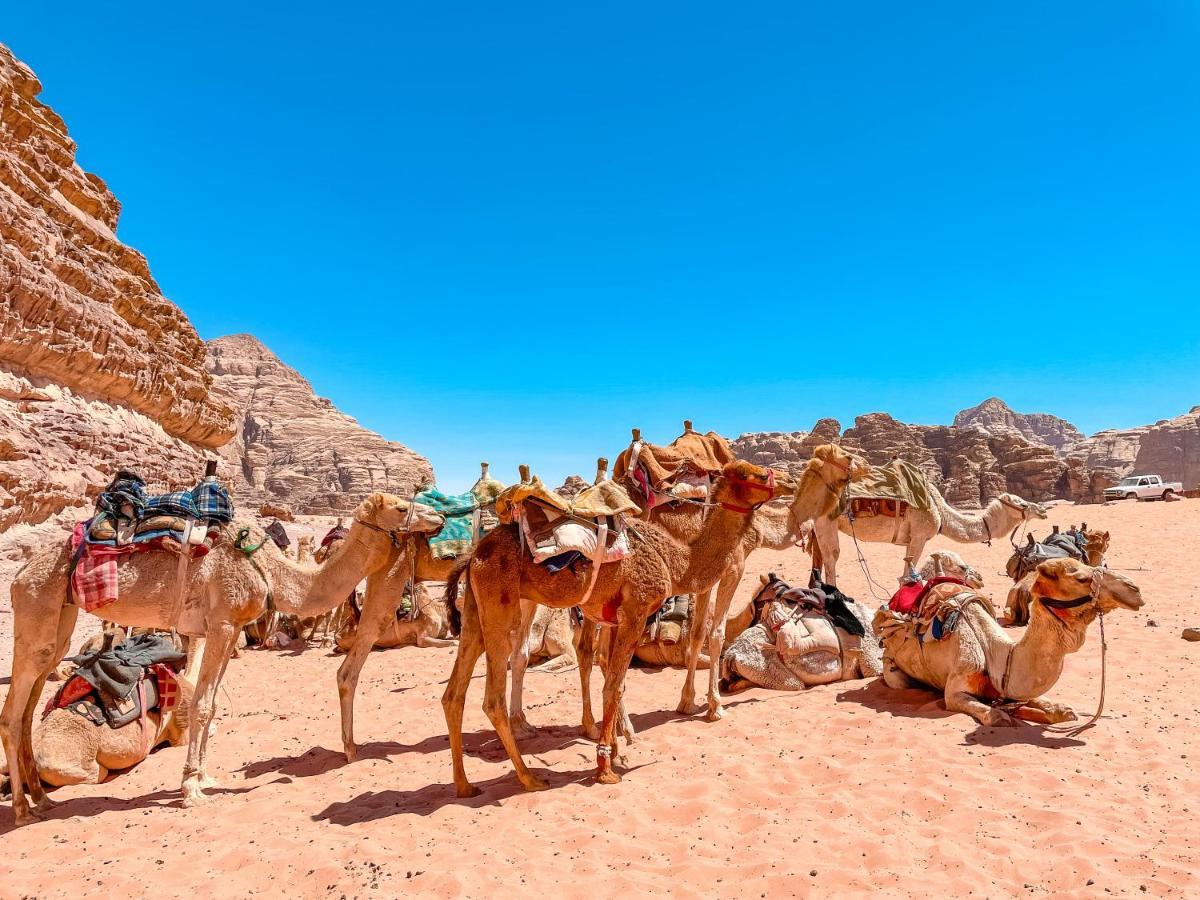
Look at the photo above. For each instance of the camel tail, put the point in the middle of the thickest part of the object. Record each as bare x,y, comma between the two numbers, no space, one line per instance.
452,589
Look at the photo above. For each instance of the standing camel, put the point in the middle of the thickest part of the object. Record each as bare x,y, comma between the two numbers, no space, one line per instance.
502,578
918,526
225,590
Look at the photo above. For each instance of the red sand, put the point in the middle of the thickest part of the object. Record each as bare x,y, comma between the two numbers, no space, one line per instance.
843,789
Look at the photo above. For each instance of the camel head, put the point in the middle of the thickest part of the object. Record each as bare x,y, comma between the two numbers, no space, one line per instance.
1068,580
948,563
1026,509
393,514
743,487
1097,545
838,465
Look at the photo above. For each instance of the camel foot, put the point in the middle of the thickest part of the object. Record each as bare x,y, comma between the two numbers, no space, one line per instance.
44,805
687,706
1045,714
998,718
194,797
207,782
351,751
25,817
608,776
533,783
522,729
466,791
716,712
590,730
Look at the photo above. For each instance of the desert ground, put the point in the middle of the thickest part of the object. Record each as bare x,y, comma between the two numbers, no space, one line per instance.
837,790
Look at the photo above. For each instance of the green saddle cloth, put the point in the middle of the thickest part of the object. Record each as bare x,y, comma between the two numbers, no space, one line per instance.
457,535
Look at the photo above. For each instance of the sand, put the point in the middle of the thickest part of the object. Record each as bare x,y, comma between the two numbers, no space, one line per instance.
838,790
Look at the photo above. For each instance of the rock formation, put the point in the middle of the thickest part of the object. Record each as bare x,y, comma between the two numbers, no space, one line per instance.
98,370
572,486
296,448
994,417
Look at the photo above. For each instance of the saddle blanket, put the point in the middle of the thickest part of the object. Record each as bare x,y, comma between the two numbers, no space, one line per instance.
93,581
457,535
898,480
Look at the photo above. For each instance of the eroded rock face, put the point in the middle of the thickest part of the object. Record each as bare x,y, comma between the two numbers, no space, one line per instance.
296,448
994,417
80,308
1169,447
572,486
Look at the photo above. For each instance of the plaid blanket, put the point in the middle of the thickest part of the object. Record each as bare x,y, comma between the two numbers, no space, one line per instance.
458,534
94,570
176,503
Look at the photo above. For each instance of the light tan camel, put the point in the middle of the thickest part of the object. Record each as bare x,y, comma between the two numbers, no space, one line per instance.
998,519
224,591
69,749
819,651
1020,595
304,548
552,639
978,661
948,564
502,578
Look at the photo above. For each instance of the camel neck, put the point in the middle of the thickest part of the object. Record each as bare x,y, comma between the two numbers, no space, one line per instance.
815,497
307,590
719,538
1036,660
970,528
774,527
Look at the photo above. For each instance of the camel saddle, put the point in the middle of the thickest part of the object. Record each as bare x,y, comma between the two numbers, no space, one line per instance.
899,483
116,685
1060,545
869,507
552,526
665,625
684,469
932,609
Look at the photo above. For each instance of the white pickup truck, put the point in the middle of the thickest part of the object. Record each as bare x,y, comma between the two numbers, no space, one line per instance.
1142,487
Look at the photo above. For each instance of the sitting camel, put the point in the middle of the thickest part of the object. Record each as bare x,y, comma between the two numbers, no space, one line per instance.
917,526
1020,595
70,749
552,640
430,627
948,564
792,645
502,578
223,591
977,664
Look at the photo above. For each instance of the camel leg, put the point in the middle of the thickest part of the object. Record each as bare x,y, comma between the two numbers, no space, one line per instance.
426,641
586,651
519,662
959,699
377,610
206,780
825,532
218,645
498,620
1044,712
37,793
716,640
620,654
896,678
470,646
696,634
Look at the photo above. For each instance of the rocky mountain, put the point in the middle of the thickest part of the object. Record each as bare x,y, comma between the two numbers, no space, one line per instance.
295,448
994,417
98,370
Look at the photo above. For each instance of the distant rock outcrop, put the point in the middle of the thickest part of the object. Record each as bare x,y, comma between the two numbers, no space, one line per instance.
295,448
572,486
995,417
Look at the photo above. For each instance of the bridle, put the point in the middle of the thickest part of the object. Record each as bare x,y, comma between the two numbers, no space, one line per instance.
768,489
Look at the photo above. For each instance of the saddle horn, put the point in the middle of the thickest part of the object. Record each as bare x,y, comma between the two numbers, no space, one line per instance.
483,471
601,470
637,435
687,426
524,470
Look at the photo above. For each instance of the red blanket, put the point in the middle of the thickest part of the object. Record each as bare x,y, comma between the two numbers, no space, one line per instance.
94,577
907,600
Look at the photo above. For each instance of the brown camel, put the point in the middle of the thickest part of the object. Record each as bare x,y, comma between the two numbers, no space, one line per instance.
1020,595
225,590
775,527
502,578
979,662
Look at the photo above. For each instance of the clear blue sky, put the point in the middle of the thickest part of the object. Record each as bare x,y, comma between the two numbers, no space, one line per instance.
515,230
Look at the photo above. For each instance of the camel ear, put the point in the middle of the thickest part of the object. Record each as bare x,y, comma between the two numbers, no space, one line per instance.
1045,570
368,510
816,464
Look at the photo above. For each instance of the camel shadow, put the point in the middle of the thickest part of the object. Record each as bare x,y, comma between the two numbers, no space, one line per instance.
372,806
917,703
87,807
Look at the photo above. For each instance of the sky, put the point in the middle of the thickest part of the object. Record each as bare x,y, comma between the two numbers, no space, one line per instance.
514,231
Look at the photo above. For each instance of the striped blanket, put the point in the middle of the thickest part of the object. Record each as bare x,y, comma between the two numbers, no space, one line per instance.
458,534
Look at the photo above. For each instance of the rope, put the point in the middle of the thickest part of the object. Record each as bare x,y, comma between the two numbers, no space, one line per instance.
862,562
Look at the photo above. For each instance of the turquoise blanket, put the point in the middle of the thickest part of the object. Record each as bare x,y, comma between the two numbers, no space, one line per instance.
456,536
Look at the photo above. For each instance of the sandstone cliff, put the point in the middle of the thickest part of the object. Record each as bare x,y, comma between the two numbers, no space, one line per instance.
295,448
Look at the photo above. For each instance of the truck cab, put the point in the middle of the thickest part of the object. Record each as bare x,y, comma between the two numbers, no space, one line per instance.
1142,487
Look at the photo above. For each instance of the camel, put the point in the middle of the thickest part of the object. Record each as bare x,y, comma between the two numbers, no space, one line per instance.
915,528
304,548
823,653
552,639
978,663
69,749
675,655
1020,595
502,579
818,494
947,563
224,590
428,628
